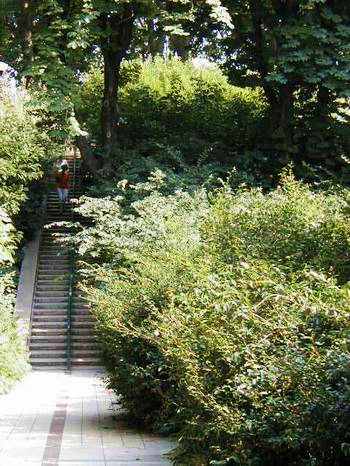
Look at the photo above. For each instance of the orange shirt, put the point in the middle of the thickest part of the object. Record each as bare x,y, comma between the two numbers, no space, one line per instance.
62,179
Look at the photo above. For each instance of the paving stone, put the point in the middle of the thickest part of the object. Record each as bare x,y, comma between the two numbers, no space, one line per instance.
90,434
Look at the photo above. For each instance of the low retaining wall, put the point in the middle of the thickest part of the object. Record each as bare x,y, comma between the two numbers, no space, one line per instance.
25,291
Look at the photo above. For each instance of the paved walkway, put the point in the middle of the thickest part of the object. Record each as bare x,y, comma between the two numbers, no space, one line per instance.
70,419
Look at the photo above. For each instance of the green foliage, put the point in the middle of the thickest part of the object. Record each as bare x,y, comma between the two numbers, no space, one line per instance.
298,53
176,102
13,355
224,315
23,149
21,153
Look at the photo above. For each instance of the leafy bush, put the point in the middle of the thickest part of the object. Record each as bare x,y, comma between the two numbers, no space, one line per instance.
21,151
224,316
13,355
176,103
22,155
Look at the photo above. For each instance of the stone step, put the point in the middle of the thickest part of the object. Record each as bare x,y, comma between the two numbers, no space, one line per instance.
78,338
86,346
52,281
55,252
59,328
54,261
82,332
76,356
54,256
53,198
62,312
82,324
63,298
59,210
61,321
52,249
50,230
85,361
86,355
50,290
54,369
58,217
48,339
49,312
47,361
56,207
59,293
81,308
50,271
54,325
37,345
50,233
83,318
53,274
51,245
48,365
42,314
54,239
48,332
51,353
39,320
75,312
54,228
48,307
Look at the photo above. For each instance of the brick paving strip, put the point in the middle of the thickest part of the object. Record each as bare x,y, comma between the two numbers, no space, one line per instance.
55,435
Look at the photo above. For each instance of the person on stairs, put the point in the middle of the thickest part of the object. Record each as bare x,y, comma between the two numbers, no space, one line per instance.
62,179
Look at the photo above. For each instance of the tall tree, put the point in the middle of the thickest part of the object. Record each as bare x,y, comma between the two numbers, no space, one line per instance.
116,29
289,47
59,37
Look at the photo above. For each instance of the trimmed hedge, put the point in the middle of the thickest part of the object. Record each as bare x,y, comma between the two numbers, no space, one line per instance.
176,103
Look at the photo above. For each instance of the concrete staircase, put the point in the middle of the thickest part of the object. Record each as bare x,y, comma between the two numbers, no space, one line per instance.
57,341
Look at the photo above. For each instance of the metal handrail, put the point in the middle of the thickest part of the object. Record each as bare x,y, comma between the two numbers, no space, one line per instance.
34,289
71,283
40,230
69,311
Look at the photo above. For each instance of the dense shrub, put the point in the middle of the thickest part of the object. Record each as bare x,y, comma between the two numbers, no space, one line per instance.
225,316
21,151
175,102
23,148
13,355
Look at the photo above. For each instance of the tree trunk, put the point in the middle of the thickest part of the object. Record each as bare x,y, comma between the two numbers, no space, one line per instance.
114,49
90,163
26,36
109,116
181,46
282,122
280,98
